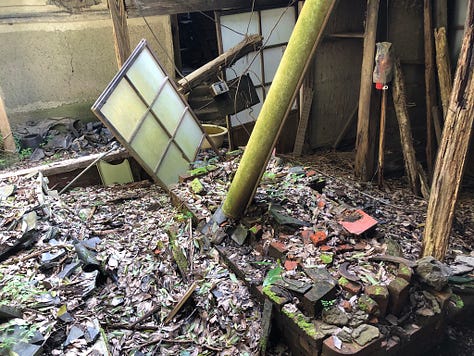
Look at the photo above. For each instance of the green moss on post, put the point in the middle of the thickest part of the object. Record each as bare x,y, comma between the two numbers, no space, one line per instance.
288,78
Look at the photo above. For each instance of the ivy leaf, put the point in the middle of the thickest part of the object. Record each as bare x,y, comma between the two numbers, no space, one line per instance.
273,275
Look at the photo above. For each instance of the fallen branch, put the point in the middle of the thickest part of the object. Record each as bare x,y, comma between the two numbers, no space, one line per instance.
178,341
180,304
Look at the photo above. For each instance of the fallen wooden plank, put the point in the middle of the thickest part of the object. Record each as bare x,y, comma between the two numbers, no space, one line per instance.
65,166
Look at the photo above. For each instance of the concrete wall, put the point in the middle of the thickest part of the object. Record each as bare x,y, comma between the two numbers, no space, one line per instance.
58,65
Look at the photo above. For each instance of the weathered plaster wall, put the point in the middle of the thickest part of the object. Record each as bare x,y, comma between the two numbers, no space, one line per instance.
51,67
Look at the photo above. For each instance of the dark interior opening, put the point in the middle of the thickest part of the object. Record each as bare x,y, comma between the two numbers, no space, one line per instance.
197,40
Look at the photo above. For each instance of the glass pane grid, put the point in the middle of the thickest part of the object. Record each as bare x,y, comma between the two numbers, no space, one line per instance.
149,117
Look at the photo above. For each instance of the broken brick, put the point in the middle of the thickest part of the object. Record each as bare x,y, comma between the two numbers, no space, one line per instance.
346,305
277,250
360,246
352,348
404,272
380,295
398,289
306,235
311,173
290,265
368,305
442,297
351,287
319,237
344,248
325,248
357,222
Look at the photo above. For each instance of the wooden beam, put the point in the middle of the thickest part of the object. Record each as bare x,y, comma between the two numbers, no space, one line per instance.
399,101
430,85
170,7
444,67
452,152
364,160
248,44
5,130
120,28
441,13
306,102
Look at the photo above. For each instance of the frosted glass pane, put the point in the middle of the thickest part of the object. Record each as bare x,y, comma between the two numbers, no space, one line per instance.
124,109
172,166
189,136
271,60
281,33
150,142
169,107
146,76
242,67
239,23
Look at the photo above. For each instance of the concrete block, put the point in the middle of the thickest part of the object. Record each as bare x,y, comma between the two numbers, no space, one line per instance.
311,300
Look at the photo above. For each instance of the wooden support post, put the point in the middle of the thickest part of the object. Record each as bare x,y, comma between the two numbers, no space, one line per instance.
444,67
248,44
301,47
306,96
120,28
441,13
452,152
430,85
5,130
364,160
383,115
399,101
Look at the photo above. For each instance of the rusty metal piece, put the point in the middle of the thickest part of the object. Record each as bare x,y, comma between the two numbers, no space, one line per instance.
346,274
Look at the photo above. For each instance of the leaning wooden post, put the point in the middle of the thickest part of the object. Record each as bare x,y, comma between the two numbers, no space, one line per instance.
288,78
383,120
430,85
120,28
444,68
452,152
5,130
364,160
399,101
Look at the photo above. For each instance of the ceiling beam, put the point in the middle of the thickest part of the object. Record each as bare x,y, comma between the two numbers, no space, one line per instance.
169,7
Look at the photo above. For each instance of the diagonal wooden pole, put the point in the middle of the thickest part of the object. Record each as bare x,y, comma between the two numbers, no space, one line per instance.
288,78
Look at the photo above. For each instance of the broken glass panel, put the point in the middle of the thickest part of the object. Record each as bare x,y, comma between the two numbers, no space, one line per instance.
143,109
